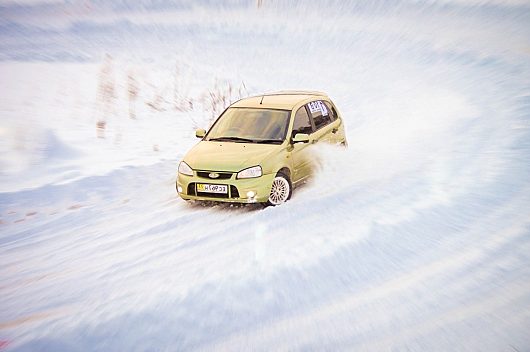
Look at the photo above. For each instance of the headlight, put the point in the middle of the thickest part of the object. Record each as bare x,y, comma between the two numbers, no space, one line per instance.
251,172
185,169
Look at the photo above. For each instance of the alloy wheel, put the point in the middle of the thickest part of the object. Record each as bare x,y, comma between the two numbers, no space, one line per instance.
280,190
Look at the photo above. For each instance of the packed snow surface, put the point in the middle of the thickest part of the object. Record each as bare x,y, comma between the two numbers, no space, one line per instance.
417,237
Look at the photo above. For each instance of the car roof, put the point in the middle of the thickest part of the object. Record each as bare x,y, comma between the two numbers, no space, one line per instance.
278,100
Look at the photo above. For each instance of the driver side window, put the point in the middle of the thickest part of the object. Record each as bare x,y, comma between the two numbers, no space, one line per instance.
301,123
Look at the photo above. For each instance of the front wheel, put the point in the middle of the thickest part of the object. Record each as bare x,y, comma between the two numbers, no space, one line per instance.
280,191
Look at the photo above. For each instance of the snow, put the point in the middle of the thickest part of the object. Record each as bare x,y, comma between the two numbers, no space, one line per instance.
414,238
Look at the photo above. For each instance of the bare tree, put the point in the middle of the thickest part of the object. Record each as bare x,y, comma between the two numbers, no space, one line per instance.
132,90
106,95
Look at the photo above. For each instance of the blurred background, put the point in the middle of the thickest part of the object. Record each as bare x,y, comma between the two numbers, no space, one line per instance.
417,237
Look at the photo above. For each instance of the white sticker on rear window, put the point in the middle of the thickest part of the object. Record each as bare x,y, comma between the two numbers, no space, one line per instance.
323,108
318,106
314,107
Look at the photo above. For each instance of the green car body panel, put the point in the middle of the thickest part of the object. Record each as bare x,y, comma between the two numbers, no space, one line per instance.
218,162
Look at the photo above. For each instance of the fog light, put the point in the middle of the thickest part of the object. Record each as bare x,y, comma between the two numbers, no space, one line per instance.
251,194
179,189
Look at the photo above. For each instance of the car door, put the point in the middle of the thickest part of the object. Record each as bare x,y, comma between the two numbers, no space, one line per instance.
321,118
300,155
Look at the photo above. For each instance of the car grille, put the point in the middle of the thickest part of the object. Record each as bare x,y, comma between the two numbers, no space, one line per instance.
233,193
212,195
222,175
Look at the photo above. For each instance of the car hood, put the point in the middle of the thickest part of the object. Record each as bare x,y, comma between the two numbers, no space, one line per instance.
228,156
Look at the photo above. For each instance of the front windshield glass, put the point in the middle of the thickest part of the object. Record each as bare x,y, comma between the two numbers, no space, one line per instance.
247,125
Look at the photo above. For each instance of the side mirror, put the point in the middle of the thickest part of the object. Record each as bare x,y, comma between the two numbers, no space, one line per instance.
301,138
200,133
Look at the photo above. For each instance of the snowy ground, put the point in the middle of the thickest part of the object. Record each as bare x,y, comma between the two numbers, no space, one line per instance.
415,238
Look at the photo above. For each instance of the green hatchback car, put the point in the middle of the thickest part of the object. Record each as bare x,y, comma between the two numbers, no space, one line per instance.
260,148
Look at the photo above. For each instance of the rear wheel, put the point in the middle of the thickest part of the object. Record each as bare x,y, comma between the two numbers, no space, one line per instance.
280,190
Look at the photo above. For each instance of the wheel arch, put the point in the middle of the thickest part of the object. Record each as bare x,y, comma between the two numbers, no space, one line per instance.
286,171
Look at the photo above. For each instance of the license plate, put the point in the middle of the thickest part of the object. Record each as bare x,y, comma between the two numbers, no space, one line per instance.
207,188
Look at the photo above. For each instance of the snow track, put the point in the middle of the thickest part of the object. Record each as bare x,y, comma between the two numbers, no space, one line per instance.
417,237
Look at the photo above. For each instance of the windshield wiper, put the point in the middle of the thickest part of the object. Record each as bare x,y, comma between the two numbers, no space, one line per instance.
232,139
270,141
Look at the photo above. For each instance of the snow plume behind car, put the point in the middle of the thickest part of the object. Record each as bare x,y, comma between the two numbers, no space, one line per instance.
416,138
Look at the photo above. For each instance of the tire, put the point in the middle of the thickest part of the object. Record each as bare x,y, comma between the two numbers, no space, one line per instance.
281,190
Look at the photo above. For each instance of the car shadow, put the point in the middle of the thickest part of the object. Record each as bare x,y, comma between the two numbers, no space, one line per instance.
221,206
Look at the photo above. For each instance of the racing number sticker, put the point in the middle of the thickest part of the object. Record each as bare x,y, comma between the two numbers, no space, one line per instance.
318,106
323,108
314,107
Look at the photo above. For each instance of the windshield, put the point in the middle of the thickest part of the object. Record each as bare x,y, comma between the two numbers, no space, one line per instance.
247,125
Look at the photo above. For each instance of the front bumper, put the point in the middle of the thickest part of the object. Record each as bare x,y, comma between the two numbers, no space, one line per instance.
237,188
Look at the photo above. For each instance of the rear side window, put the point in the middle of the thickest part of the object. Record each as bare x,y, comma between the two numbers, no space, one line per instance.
301,123
319,113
